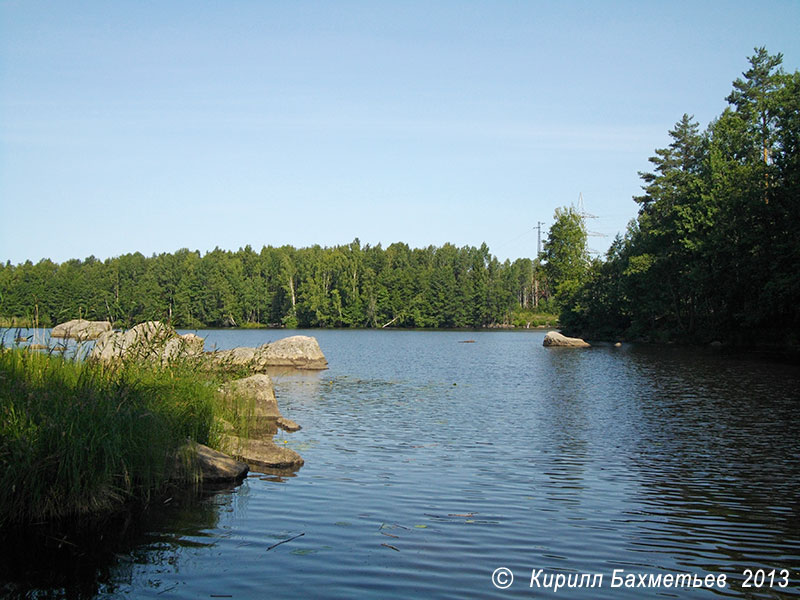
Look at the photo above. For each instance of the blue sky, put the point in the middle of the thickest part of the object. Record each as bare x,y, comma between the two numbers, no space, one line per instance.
152,126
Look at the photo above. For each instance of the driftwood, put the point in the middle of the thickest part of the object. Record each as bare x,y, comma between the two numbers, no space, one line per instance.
284,541
390,322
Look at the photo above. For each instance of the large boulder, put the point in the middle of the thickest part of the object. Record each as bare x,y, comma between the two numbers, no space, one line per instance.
182,345
262,453
152,340
236,359
80,329
256,389
254,396
555,339
299,351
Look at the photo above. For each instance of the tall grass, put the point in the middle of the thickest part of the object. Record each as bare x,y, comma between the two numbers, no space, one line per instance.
80,437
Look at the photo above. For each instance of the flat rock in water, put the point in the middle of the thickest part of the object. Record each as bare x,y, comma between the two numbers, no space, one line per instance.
555,339
288,425
298,352
81,329
262,453
212,465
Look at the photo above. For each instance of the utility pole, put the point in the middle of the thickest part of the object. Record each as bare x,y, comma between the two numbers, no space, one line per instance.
536,263
539,239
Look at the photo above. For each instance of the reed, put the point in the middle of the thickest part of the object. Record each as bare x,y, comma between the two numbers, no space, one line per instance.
79,437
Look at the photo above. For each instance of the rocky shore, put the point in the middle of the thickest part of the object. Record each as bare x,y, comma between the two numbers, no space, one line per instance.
253,394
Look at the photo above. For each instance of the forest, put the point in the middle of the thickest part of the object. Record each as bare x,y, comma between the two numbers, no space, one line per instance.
342,286
713,254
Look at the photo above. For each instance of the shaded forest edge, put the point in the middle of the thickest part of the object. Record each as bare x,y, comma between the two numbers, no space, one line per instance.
713,254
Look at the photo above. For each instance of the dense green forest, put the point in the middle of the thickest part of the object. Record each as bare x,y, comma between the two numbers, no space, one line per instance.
343,286
714,253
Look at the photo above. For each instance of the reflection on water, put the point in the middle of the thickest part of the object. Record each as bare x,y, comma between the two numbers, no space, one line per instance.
429,463
78,559
39,339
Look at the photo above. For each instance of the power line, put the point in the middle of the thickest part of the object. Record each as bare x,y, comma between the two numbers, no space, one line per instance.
511,241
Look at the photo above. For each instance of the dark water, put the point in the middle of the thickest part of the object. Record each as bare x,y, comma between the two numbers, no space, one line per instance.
430,463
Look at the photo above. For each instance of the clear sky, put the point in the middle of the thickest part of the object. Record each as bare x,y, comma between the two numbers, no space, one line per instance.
156,125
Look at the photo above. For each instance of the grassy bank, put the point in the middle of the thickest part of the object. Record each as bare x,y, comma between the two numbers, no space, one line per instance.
522,317
81,437
22,322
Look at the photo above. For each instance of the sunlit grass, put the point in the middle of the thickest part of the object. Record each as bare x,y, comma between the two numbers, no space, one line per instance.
80,437
530,318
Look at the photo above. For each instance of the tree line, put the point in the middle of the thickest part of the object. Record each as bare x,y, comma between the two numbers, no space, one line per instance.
342,286
714,253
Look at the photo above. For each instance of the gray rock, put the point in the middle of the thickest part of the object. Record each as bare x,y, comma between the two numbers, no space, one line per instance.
288,425
299,351
152,340
186,344
262,453
80,329
555,339
257,389
234,359
210,465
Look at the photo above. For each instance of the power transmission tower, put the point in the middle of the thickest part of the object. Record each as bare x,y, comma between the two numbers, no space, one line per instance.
581,210
585,215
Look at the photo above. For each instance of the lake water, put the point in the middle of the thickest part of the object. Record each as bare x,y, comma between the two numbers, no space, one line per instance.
431,463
